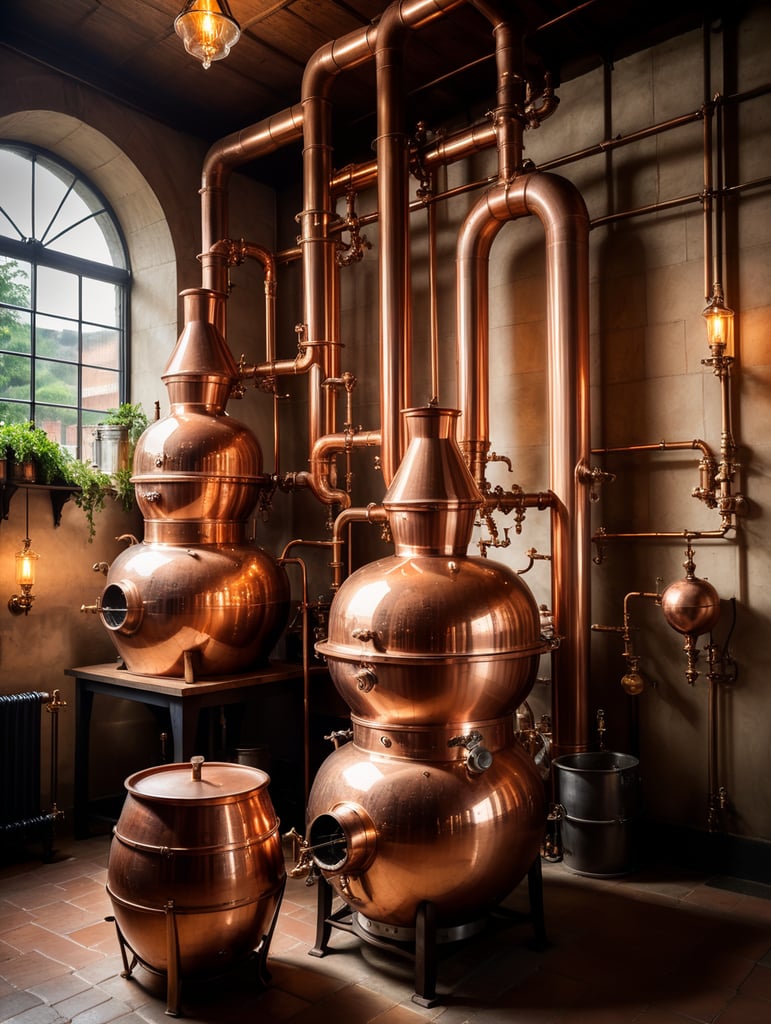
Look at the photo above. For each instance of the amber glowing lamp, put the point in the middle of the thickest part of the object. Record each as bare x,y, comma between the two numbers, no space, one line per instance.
720,324
25,579
208,29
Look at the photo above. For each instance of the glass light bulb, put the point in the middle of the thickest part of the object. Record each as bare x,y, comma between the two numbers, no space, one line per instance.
25,566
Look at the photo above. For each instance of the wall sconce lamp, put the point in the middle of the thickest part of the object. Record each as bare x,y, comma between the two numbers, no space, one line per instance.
25,575
208,29
720,325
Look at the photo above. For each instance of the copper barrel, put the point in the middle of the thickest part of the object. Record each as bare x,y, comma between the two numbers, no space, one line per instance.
196,849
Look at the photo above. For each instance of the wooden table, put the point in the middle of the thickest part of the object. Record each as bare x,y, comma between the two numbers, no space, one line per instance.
184,702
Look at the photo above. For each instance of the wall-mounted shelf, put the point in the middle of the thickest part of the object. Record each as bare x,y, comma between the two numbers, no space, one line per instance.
59,493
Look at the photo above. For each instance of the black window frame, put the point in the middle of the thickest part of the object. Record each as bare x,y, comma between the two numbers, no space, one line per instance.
37,254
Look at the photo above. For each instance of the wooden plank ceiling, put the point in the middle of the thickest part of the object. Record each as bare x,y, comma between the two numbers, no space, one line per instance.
129,50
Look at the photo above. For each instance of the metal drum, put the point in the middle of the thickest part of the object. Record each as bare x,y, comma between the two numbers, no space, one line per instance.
196,869
599,792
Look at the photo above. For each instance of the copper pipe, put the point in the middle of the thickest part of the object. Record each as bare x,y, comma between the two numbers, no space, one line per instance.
563,215
247,144
371,514
394,266
601,536
318,478
317,244
392,179
286,560
708,214
237,252
433,295
702,446
624,140
441,151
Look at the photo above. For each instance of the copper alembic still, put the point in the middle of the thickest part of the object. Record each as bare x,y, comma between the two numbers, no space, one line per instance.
433,813
196,597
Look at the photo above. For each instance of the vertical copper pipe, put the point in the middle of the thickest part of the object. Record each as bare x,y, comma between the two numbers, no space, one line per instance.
393,206
708,200
433,291
317,244
563,214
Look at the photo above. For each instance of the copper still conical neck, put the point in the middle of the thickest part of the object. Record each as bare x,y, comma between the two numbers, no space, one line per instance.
433,499
201,370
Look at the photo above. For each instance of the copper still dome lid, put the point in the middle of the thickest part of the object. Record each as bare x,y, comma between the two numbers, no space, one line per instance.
212,781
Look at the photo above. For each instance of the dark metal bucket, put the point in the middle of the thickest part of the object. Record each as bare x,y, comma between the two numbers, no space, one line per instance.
599,792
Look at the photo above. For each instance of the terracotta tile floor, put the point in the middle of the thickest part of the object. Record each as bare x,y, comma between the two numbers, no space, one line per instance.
655,947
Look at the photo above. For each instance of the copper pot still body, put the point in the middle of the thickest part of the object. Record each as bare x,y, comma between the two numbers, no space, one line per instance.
433,650
201,843
196,597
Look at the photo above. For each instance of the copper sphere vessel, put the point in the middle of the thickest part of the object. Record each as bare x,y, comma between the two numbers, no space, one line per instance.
398,819
691,606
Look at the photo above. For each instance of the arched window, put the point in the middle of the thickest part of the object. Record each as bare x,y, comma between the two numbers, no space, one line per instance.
64,280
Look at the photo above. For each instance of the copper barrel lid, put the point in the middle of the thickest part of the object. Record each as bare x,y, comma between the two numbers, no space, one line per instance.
217,781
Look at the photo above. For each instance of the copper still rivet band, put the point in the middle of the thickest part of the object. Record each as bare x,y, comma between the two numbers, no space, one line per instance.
184,909
197,851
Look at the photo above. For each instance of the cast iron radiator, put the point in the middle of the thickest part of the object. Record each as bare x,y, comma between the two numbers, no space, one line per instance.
20,757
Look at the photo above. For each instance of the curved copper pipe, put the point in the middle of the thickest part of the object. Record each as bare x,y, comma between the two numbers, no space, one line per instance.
370,514
236,252
233,150
563,214
317,244
318,477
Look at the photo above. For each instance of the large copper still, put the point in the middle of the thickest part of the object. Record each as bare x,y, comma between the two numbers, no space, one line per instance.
433,649
196,870
196,597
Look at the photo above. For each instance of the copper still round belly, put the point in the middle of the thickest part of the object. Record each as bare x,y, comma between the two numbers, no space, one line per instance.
425,638
224,604
208,848
410,825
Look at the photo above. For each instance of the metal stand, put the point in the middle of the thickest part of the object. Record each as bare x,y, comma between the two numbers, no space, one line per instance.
423,952
173,974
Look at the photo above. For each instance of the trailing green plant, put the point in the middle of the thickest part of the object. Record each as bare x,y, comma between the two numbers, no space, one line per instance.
124,489
93,487
24,442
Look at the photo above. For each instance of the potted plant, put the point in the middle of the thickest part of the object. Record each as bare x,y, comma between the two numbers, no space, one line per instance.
32,455
115,437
